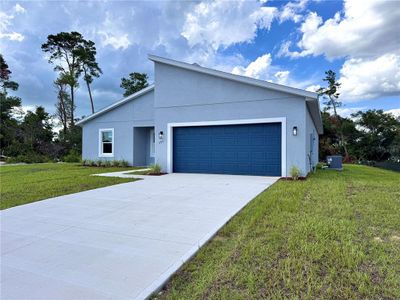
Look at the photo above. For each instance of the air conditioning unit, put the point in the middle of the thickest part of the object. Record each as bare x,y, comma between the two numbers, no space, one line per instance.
334,162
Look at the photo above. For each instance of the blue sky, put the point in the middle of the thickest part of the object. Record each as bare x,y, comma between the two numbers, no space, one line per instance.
288,42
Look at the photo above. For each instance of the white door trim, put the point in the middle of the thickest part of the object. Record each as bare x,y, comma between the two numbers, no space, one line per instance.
170,127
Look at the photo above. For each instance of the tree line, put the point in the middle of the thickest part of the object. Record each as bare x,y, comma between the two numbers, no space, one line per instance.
371,135
366,136
30,136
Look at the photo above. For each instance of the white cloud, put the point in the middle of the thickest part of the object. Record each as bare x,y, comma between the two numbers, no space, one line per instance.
313,88
223,23
366,33
292,10
394,111
257,69
19,9
262,68
12,36
366,28
112,34
347,111
20,112
370,78
282,77
114,40
5,23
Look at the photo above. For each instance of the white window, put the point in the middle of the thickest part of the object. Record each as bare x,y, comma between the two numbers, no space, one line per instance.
152,143
106,142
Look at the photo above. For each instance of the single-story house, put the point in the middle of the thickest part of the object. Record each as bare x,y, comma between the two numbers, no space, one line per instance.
199,120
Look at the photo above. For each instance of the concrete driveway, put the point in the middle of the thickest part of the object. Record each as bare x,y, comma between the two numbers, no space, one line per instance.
118,242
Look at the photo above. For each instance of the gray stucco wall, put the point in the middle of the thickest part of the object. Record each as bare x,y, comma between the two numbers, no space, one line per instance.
311,146
136,113
187,96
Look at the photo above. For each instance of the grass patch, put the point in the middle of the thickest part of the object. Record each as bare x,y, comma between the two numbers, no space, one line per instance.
29,183
334,236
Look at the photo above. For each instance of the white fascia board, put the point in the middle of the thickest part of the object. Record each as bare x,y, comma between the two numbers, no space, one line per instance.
116,104
238,78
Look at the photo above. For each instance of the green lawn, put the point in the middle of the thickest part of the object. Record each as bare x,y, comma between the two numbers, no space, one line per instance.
333,236
29,183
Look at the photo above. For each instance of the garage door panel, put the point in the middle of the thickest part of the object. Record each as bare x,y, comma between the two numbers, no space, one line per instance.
251,149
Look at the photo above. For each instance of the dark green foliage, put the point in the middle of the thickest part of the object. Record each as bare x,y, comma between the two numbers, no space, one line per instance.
63,105
87,57
36,130
29,138
71,140
371,135
5,77
379,135
63,48
29,158
8,122
72,156
134,83
105,163
73,56
331,92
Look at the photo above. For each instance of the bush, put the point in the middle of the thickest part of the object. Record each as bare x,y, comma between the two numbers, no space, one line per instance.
28,159
72,156
123,163
295,172
155,169
104,163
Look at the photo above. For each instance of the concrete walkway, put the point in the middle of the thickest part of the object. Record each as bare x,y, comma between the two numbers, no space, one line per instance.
117,242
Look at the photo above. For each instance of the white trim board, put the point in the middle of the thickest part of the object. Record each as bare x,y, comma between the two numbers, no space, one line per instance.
170,127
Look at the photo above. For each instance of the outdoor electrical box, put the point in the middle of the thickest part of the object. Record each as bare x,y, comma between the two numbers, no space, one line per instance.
334,162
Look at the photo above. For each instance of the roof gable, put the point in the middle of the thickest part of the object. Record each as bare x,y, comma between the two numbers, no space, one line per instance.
238,78
311,98
117,104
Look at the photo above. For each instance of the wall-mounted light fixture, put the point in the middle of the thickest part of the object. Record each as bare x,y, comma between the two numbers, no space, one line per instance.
295,130
161,135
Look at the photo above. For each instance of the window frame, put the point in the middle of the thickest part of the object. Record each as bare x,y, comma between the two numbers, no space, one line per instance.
152,144
101,154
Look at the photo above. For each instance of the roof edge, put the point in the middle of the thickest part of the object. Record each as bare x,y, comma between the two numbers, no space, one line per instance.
239,78
116,104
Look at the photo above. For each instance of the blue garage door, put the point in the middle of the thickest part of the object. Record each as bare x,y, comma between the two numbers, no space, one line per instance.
251,149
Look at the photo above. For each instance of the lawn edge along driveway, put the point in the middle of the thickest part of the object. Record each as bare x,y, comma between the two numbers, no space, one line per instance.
119,242
22,184
334,235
